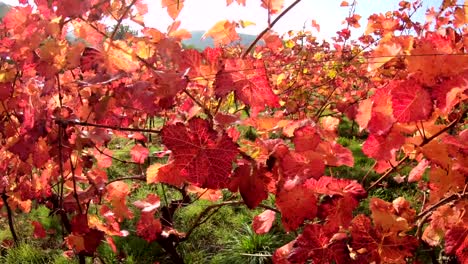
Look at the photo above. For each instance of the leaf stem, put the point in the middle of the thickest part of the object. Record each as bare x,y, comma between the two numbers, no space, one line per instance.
79,123
10,218
139,177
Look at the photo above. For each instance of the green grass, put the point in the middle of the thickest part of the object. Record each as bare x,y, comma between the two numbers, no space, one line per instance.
30,254
245,246
225,234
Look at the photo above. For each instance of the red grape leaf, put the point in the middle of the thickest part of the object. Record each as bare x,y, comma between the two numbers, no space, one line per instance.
248,78
72,8
450,92
305,165
382,115
432,51
338,211
386,217
371,244
79,224
87,243
5,90
443,183
202,156
149,204
111,227
456,243
335,154
168,83
168,173
417,172
383,147
93,60
205,194
436,151
334,186
296,204
364,113
103,158
410,101
139,154
263,222
252,185
442,219
148,227
318,243
41,152
306,138
39,231
281,254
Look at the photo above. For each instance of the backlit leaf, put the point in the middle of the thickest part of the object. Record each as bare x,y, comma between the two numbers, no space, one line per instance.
223,32
263,222
274,6
173,7
139,154
296,204
410,102
201,155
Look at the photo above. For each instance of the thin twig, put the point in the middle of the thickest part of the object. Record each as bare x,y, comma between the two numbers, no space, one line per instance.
60,153
79,123
114,158
269,208
119,22
444,201
268,28
198,221
368,172
140,178
10,218
207,112
424,215
75,193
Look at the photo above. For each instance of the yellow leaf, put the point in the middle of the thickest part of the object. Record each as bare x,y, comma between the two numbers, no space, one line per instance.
152,173
245,23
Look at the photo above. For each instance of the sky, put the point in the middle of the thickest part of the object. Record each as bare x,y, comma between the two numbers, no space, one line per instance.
203,14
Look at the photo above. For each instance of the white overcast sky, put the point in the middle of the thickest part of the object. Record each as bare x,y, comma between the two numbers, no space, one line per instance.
203,14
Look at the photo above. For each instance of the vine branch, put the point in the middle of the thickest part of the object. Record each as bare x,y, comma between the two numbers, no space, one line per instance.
131,129
10,218
268,28
423,143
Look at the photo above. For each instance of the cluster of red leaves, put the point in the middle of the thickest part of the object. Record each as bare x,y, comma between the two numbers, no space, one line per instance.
62,102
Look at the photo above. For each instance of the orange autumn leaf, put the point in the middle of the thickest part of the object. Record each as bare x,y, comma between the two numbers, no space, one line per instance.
274,6
173,7
223,32
239,2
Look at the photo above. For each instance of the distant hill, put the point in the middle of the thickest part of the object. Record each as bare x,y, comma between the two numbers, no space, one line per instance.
4,8
197,42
